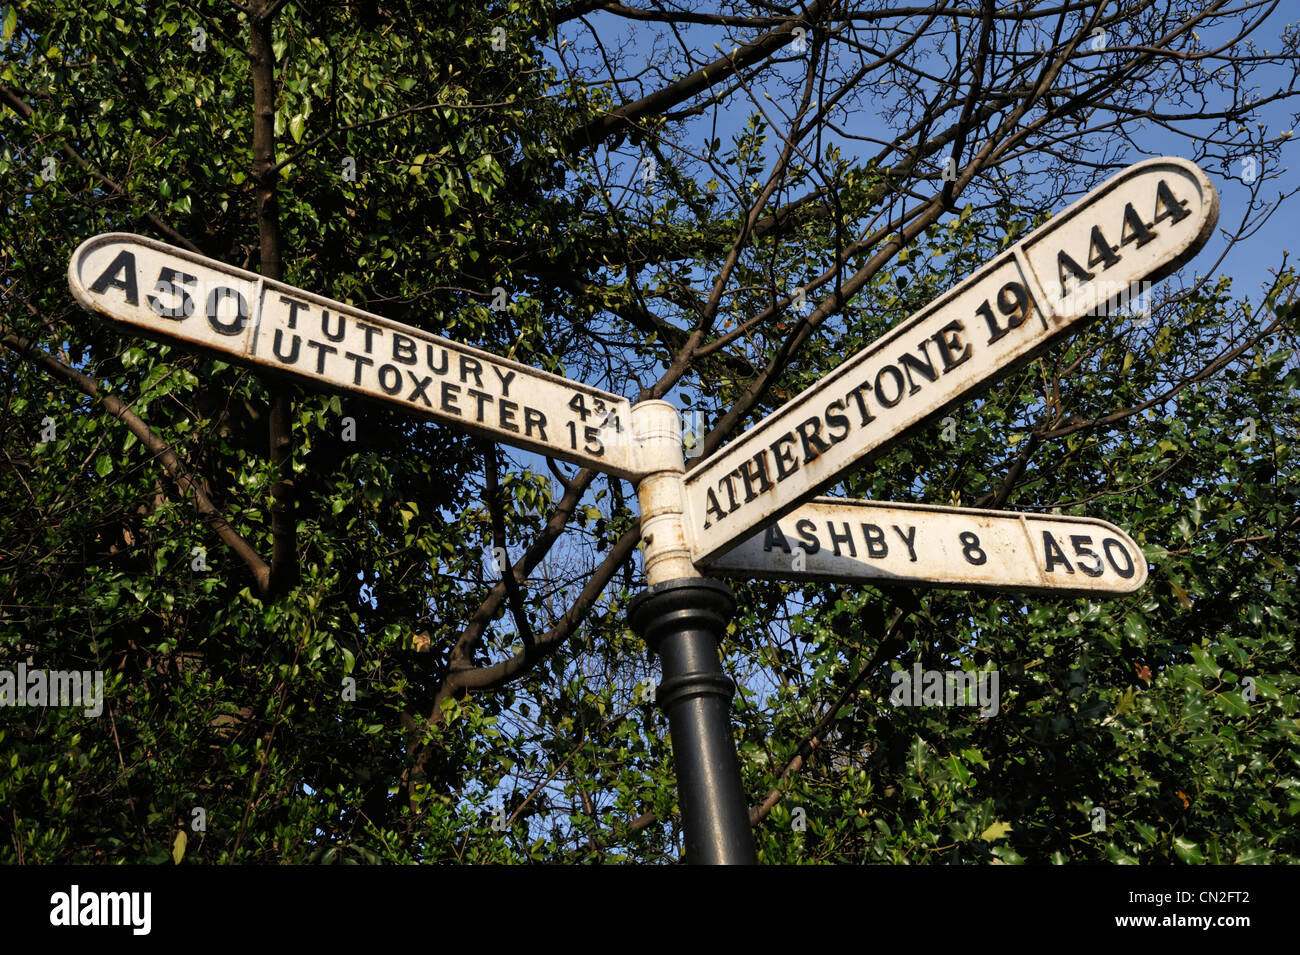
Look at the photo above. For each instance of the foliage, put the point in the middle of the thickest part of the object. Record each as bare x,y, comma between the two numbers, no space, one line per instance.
354,708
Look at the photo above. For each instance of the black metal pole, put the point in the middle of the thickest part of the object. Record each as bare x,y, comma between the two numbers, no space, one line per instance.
682,621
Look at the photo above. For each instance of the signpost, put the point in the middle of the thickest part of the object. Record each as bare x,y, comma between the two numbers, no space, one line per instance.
919,545
1138,226
163,292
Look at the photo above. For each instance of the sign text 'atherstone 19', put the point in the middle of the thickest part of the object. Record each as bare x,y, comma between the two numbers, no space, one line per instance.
1140,225
168,293
921,545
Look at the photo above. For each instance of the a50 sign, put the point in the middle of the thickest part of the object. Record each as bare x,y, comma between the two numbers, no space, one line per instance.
1118,556
922,545
293,332
174,295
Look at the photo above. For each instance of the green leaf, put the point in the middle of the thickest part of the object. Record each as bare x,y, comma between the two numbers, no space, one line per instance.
1188,851
1009,855
103,465
1126,701
1267,689
11,21
1232,702
1204,663
1147,832
296,127
995,831
1135,630
178,846
959,769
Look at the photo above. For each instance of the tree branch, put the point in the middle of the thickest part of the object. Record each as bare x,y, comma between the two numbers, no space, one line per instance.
16,103
160,449
284,548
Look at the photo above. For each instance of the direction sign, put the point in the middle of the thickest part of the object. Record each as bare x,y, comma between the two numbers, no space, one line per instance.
163,292
920,545
1140,225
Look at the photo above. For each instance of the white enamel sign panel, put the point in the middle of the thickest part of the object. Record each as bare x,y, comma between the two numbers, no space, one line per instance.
1138,226
163,292
919,545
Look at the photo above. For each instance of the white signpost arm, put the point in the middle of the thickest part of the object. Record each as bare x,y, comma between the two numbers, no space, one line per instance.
1136,227
159,291
923,545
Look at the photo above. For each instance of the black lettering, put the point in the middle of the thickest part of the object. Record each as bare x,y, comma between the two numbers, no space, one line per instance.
731,491
448,397
294,305
1175,210
325,327
396,386
418,386
482,397
534,417
970,548
505,380
1016,309
1054,555
947,340
428,357
170,281
837,421
856,394
357,362
1078,542
124,263
1129,570
711,508
506,412
911,363
898,381
370,332
909,539
1099,250
1134,229
875,538
471,366
321,352
845,538
403,349
986,310
240,319
292,357
1064,265
784,457
806,529
755,471
810,436
773,537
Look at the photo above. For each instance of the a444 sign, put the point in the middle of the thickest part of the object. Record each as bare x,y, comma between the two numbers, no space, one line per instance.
1139,226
